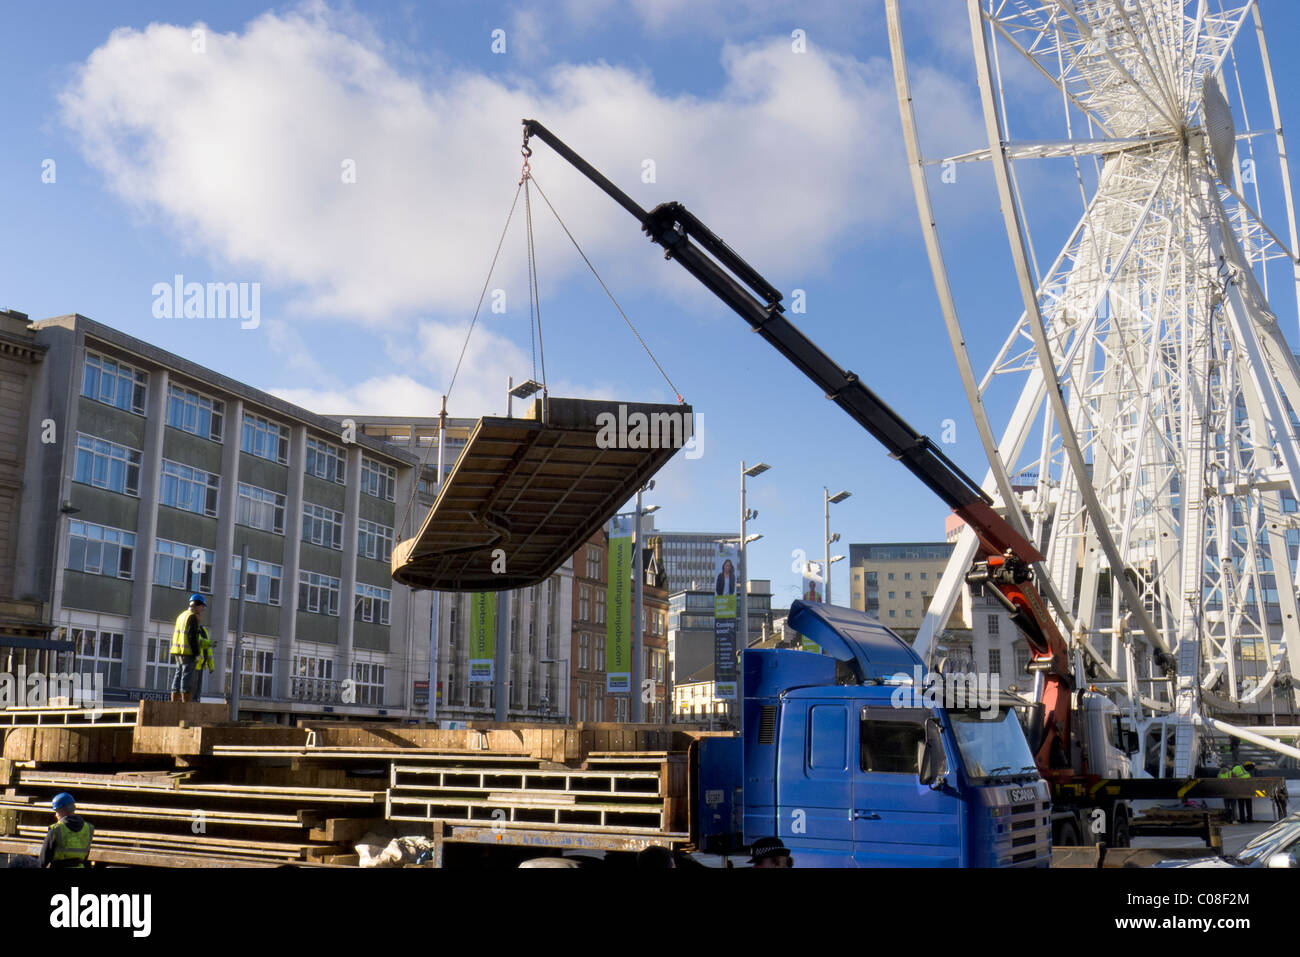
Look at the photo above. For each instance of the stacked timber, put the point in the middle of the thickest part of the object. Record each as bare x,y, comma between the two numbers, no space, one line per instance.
161,818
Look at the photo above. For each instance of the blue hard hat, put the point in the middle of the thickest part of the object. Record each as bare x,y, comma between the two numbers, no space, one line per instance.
196,597
62,800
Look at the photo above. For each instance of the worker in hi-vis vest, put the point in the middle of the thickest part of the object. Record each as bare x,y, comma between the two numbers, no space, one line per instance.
67,842
205,662
185,648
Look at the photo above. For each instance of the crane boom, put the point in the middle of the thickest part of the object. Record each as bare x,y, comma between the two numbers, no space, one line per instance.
1005,555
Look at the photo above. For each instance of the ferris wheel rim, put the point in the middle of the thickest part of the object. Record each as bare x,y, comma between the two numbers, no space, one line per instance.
999,471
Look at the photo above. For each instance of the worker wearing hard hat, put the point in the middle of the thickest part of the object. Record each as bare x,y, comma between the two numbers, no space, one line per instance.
67,843
204,663
185,648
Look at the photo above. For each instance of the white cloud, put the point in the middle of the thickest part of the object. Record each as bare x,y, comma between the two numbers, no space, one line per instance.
241,149
479,389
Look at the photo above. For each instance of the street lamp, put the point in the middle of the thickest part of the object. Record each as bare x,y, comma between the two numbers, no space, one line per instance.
745,515
521,391
829,501
638,606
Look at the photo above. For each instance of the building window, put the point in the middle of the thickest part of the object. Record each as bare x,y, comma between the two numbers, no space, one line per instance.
183,566
372,603
620,708
261,585
1022,661
374,541
891,576
107,465
907,576
600,606
266,440
257,670
907,594
584,652
893,613
584,603
593,561
97,550
159,666
194,413
100,652
599,663
922,576
995,661
378,480
582,701
259,508
891,594
993,624
191,489
369,679
313,678
322,526
325,461
908,613
318,593
114,383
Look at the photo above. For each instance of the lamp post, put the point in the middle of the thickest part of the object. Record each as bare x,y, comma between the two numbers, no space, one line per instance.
829,501
521,391
745,515
637,713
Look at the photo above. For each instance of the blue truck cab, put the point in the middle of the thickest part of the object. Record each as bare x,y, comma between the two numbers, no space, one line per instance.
856,757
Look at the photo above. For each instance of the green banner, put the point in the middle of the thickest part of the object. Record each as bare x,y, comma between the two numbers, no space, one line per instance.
482,636
618,634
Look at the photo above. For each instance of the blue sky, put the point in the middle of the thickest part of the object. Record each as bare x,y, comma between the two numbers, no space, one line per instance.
225,164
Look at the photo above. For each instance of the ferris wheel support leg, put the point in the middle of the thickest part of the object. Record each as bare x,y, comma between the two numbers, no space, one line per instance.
1272,745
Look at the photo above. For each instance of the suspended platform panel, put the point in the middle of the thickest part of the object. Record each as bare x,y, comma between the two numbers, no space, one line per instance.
537,490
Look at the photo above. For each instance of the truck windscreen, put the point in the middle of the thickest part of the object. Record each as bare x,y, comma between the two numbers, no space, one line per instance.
991,746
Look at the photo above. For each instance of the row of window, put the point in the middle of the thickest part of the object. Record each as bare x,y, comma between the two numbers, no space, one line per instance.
107,465
97,550
124,387
102,652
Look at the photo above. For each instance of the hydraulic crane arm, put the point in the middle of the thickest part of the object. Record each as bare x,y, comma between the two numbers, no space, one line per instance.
1006,555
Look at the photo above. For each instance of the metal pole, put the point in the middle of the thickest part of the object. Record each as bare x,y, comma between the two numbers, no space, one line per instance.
510,398
435,602
499,682
638,611
236,674
826,498
744,572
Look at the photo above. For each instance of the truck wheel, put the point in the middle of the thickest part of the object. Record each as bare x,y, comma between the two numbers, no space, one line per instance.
1067,835
1119,830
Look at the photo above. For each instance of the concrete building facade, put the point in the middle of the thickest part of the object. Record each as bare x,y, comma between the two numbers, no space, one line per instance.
157,474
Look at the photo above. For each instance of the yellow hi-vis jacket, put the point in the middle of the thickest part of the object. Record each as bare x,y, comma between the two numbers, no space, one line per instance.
70,845
180,646
205,662
1239,772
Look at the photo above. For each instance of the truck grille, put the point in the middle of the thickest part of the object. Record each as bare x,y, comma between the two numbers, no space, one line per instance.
767,725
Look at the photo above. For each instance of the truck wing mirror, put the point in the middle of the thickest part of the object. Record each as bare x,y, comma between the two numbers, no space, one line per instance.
934,760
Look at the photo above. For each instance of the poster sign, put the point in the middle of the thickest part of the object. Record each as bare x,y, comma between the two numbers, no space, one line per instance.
726,564
618,635
482,637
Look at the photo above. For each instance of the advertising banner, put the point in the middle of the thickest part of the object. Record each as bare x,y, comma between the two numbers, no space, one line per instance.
726,565
812,582
482,636
618,635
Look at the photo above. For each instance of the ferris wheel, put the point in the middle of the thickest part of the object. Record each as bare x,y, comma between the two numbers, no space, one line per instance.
1153,447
